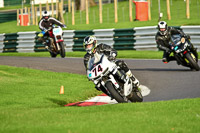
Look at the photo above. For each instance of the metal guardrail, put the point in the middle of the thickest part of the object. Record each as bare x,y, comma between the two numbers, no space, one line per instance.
26,41
1,42
139,38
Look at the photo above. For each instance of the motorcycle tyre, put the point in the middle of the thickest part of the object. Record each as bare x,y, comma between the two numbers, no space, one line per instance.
114,93
53,55
136,96
192,62
62,49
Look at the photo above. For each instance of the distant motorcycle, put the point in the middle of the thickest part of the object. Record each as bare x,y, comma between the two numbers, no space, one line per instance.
55,41
182,53
115,82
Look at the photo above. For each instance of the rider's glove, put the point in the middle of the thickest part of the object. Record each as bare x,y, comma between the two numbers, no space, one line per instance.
64,26
168,51
45,30
49,28
111,58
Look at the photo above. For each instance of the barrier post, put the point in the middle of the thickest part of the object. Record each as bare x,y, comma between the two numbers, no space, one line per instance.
87,12
115,6
149,9
61,11
187,9
52,8
29,14
130,11
17,17
33,14
100,11
36,18
22,18
168,10
25,10
73,18
57,8
47,6
69,5
40,10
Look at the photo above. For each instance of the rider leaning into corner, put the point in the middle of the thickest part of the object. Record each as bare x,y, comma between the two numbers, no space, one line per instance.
45,24
163,37
91,46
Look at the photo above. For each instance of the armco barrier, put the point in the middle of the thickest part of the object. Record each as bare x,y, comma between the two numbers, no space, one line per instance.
104,36
139,38
10,42
26,42
124,39
68,37
1,42
145,38
79,37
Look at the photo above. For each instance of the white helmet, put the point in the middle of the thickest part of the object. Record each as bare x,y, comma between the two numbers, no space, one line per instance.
90,40
45,15
162,27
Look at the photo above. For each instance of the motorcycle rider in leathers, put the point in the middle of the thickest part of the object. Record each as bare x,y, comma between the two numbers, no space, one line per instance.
91,46
163,37
45,24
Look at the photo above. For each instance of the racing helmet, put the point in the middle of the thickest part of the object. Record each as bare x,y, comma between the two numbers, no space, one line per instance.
162,27
88,40
45,15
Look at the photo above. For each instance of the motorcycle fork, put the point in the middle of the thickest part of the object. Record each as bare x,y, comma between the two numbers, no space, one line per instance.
120,75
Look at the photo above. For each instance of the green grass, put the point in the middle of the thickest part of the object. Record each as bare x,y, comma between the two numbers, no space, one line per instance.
121,54
30,102
178,15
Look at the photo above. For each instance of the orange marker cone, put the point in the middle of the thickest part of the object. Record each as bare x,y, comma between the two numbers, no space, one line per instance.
61,90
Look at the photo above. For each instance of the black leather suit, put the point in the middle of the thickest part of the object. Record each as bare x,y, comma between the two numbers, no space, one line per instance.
163,41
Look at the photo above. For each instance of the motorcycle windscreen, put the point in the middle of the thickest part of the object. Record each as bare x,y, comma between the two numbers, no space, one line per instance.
57,31
175,39
92,63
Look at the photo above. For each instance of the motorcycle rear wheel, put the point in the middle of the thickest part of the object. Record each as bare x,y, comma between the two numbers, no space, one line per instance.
62,49
192,61
114,93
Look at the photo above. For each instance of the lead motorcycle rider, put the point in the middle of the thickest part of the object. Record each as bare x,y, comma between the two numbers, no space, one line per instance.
163,38
45,24
91,46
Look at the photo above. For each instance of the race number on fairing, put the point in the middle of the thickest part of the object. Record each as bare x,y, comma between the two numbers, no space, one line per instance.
97,70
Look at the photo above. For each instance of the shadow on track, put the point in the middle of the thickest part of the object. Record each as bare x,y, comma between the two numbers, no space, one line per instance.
163,69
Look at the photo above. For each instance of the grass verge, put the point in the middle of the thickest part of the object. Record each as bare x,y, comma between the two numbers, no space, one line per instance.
30,102
121,54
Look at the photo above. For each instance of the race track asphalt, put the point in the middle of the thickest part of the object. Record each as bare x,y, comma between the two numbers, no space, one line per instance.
166,81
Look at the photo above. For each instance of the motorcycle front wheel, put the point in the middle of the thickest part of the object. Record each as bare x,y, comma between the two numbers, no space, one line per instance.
62,49
136,96
53,55
114,93
192,61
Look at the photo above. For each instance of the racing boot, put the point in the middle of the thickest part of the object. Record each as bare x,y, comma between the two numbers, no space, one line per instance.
165,60
136,83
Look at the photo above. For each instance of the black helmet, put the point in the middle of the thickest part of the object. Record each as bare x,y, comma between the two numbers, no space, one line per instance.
90,40
162,27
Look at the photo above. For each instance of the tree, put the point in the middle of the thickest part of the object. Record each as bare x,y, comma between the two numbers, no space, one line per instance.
80,4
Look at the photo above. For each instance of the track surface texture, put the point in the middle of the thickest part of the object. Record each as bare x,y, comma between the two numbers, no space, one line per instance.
166,81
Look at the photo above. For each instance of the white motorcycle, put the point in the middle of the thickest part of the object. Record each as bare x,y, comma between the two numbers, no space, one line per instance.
56,41
112,79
